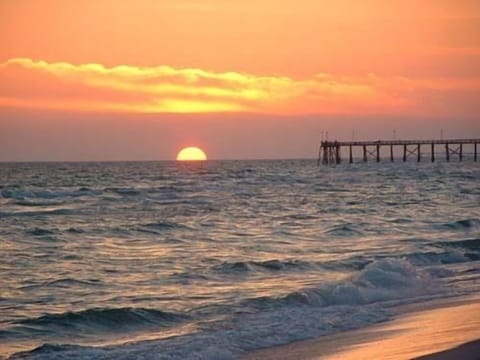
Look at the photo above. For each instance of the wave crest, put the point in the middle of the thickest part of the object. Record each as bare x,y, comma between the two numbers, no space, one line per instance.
105,319
379,281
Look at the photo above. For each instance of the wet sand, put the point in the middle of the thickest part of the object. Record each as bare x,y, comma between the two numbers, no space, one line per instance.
440,330
468,351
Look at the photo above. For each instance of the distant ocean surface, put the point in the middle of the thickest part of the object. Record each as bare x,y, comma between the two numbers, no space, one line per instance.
171,260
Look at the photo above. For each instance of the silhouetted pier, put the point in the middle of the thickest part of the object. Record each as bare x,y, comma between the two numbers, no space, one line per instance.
331,151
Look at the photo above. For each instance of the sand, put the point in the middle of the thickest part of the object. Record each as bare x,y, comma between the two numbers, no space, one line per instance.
468,351
441,330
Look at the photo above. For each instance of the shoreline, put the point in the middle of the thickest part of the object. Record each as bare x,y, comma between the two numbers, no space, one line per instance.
467,351
444,329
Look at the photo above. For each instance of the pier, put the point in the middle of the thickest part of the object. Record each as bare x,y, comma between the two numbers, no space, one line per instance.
330,152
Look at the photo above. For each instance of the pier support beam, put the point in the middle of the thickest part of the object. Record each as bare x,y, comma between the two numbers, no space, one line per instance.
447,151
433,152
378,153
391,153
338,158
351,155
319,154
460,154
419,154
404,153
364,153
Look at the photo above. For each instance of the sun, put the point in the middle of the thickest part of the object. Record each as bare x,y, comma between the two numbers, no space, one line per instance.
191,154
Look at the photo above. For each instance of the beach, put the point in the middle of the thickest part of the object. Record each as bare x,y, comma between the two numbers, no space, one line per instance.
450,330
126,260
228,179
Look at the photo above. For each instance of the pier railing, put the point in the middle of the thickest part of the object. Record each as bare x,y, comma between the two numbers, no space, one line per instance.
330,152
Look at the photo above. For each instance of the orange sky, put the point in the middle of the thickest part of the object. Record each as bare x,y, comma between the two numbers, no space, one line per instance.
367,61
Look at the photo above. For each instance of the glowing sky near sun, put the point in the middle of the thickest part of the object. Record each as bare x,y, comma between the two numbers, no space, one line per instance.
363,60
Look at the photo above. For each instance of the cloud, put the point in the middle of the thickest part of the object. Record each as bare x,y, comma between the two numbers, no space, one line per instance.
164,89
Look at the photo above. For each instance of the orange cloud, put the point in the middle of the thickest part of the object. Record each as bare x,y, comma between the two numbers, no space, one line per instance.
164,89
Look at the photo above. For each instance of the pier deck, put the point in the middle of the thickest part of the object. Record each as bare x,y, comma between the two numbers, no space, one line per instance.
330,152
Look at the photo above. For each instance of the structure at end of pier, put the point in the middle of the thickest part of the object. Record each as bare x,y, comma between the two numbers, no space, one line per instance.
330,152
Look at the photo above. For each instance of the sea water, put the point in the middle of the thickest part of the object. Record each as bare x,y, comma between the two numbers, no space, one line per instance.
209,260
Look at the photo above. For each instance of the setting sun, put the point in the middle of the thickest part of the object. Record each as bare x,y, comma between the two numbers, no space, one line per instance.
191,154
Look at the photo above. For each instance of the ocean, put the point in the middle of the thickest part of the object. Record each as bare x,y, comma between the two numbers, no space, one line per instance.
209,260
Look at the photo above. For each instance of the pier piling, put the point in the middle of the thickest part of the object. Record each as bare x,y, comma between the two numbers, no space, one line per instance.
330,151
